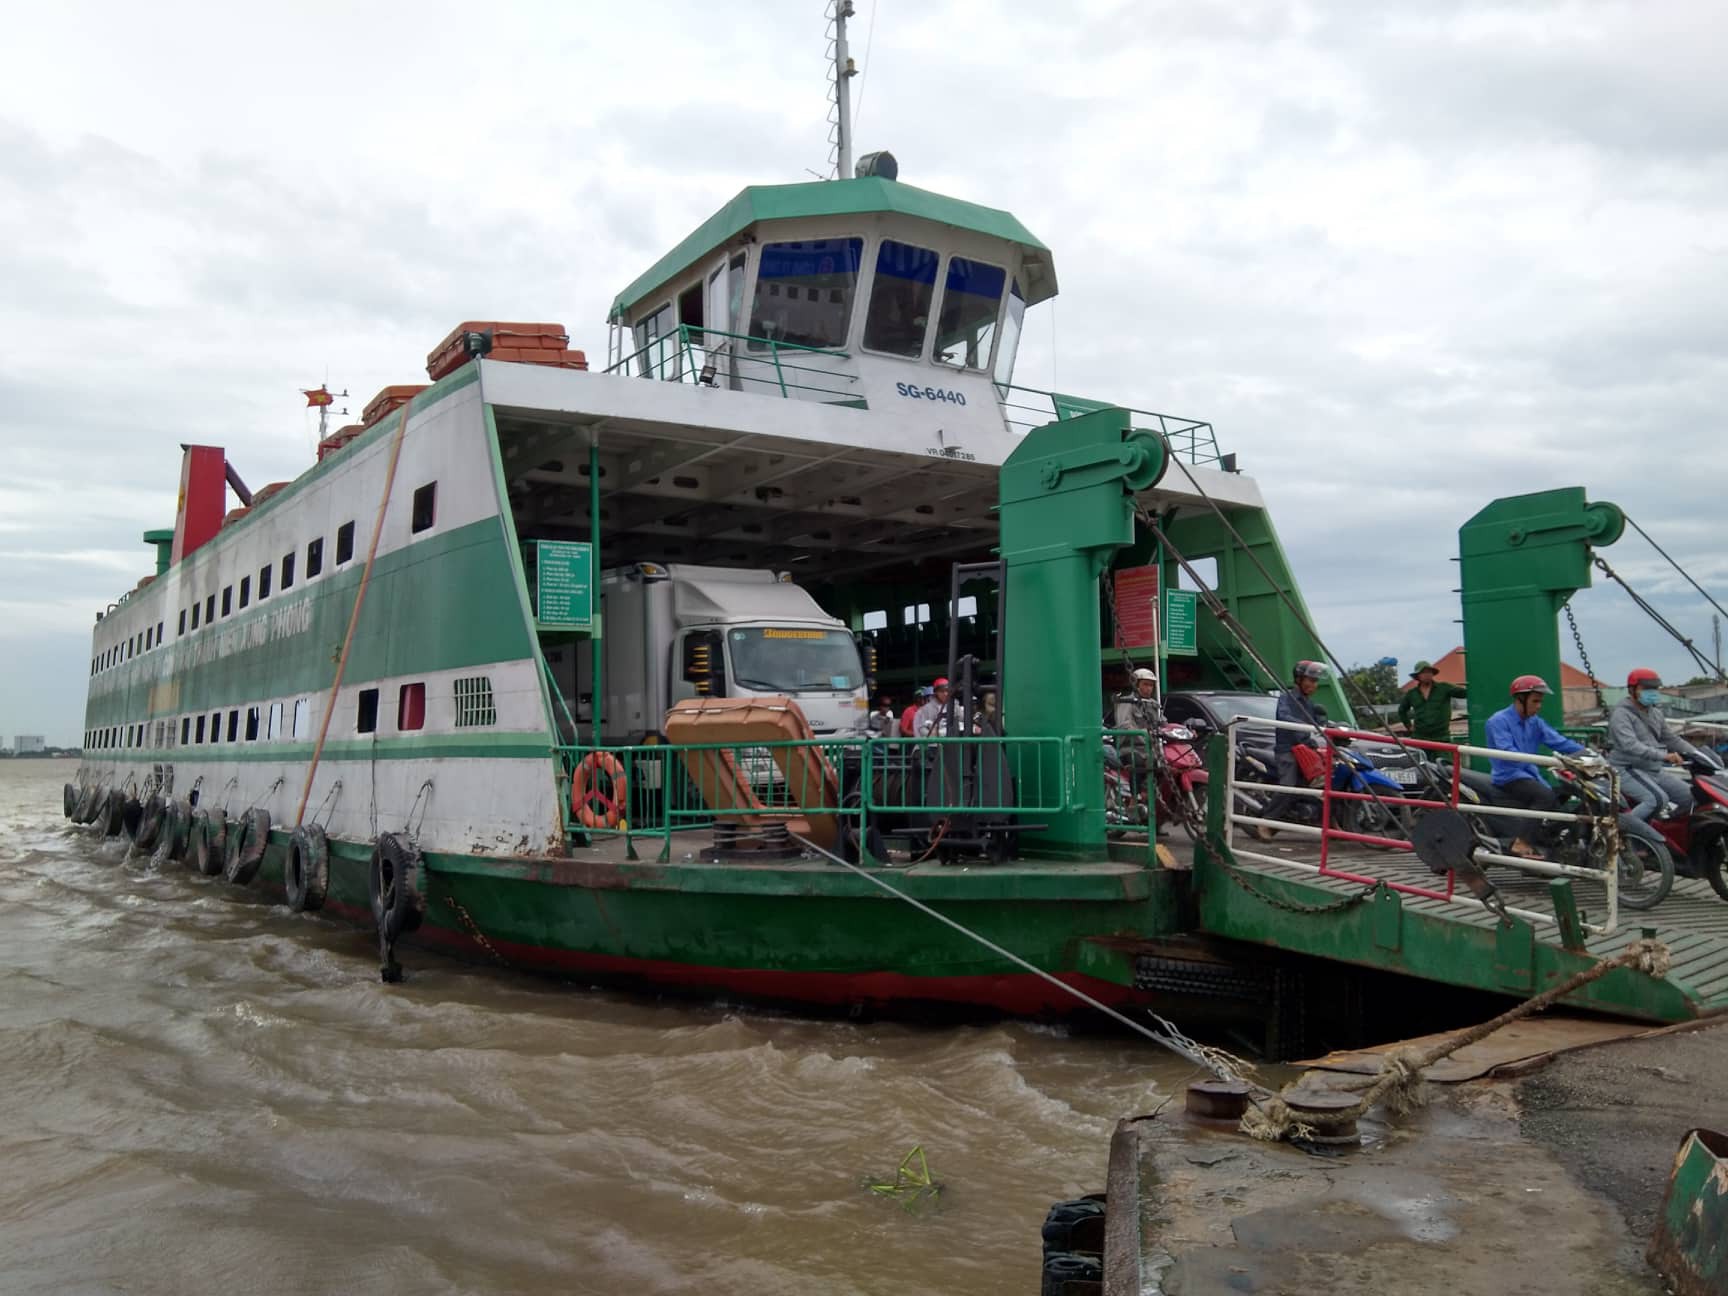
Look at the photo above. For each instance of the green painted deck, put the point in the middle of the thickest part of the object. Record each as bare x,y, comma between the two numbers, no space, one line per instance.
1463,943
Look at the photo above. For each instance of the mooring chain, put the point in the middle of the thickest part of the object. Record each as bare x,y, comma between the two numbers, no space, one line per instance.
1584,656
473,929
1291,906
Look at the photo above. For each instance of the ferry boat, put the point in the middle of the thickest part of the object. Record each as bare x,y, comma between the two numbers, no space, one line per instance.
568,667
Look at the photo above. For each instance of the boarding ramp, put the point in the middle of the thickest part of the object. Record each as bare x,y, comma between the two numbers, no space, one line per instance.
1367,899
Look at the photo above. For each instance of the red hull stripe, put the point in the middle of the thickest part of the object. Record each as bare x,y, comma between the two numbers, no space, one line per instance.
1017,994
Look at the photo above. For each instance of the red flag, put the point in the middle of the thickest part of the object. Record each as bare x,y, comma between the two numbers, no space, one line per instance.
320,396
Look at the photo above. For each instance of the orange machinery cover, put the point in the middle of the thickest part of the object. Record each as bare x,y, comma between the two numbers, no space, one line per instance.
746,722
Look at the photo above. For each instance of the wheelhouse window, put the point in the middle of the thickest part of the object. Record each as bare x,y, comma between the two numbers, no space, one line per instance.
245,590
344,545
314,557
210,610
287,571
264,574
971,305
900,299
196,609
1012,321
656,361
804,292
227,600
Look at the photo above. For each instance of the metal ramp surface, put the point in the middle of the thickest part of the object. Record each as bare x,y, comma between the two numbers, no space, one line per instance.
1464,944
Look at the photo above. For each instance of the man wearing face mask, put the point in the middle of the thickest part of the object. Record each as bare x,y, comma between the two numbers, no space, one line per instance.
1640,745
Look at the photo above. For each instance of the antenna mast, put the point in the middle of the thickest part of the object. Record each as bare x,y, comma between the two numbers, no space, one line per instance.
840,73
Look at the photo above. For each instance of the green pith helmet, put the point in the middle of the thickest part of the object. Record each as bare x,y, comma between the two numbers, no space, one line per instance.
1420,667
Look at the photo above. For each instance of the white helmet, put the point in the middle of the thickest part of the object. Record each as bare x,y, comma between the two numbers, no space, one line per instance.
1143,674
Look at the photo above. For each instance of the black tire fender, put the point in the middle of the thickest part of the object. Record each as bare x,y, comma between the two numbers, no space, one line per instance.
110,812
243,854
393,882
150,817
89,800
206,841
176,829
306,870
68,800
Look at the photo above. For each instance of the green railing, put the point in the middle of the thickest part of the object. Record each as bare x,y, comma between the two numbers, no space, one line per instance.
712,358
848,794
1027,407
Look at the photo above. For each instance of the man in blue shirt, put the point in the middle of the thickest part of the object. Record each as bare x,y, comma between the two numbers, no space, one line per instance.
1521,728
1297,706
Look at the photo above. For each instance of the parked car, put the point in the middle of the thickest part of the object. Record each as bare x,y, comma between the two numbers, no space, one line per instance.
1214,708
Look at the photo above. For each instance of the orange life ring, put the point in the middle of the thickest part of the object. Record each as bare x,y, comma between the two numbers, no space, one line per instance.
592,807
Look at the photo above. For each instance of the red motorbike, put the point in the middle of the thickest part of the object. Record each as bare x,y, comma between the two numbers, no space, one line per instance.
1172,765
1701,839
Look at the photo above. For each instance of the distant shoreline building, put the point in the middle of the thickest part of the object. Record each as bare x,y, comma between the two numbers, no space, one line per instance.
29,745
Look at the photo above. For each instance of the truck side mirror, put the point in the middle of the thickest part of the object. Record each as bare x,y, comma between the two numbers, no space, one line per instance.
867,650
701,666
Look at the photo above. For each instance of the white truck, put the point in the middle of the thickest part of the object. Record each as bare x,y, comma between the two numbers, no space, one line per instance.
678,631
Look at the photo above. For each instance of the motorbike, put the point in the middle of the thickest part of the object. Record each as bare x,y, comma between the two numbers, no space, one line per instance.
1646,867
1701,838
1169,763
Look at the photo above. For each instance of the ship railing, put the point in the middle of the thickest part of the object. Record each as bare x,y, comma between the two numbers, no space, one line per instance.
763,366
755,794
1244,809
1026,408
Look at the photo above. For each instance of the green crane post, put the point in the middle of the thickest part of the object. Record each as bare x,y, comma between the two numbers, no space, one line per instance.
1066,508
1521,559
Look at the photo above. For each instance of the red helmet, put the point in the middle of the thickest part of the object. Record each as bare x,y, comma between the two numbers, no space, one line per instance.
941,682
1643,675
1530,684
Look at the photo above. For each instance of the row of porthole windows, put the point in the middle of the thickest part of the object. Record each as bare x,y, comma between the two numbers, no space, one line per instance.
473,697
424,514
142,642
250,724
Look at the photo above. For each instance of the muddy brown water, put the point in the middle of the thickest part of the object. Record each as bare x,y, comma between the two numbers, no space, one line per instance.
203,1092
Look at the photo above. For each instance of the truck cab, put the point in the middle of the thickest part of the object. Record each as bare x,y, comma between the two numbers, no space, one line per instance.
677,630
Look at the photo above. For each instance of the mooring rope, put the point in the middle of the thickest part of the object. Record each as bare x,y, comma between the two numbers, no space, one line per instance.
354,615
1225,1066
1399,1081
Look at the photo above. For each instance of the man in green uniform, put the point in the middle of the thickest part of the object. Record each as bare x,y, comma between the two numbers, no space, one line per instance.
1426,708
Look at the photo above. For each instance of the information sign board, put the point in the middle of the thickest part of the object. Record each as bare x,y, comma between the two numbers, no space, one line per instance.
563,585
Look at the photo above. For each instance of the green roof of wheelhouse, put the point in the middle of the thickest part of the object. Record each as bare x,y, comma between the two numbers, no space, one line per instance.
844,198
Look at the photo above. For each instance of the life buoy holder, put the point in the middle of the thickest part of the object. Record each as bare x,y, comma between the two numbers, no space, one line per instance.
592,806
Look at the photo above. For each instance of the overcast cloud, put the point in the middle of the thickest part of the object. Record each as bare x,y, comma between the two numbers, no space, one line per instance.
1406,258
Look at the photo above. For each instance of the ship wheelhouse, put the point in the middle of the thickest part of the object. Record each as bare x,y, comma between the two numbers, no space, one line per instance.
854,292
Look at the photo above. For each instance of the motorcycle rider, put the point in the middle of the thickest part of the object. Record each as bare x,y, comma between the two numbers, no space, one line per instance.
1297,706
1138,708
1640,744
929,722
1520,728
882,722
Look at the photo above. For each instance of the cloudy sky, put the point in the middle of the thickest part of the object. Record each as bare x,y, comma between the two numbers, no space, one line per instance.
1405,257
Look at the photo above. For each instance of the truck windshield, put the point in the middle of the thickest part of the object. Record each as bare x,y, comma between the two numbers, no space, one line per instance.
791,659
